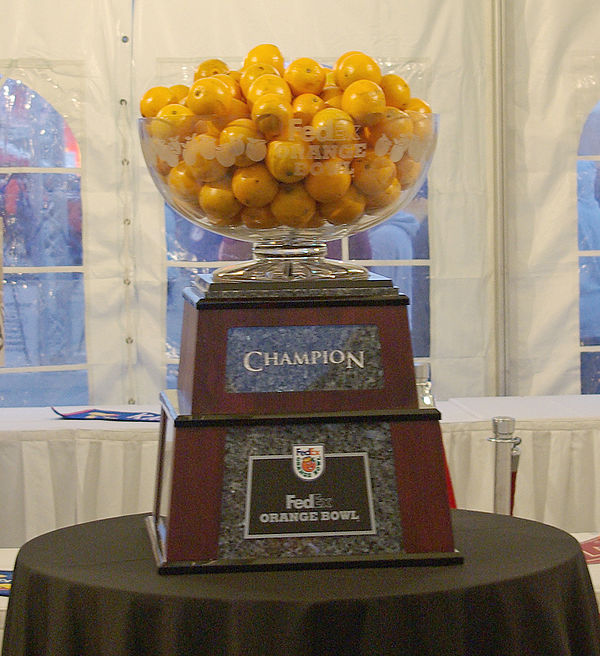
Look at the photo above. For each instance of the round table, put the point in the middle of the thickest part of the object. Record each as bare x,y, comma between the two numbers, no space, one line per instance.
93,589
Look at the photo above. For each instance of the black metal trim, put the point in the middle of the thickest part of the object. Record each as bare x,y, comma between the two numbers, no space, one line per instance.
347,416
201,302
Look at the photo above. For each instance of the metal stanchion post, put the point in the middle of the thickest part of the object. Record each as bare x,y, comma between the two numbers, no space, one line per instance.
424,393
506,462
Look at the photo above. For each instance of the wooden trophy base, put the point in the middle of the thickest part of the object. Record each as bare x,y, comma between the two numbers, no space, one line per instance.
339,349
229,497
294,439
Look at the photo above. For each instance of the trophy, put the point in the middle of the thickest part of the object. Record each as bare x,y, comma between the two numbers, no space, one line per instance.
294,438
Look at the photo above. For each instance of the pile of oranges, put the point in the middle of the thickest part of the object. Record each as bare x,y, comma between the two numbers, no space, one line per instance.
270,145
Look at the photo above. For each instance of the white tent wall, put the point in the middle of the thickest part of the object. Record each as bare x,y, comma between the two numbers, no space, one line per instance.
39,39
121,48
550,88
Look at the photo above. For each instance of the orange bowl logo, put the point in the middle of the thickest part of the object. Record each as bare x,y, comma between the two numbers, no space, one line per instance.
308,461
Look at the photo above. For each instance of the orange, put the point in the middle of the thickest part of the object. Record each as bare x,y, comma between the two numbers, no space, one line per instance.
364,100
210,67
237,135
293,206
155,99
265,53
347,209
407,171
386,197
335,101
218,202
180,92
268,84
202,126
332,125
209,96
272,115
328,180
357,66
236,90
238,109
332,96
258,218
305,106
417,105
200,154
254,186
182,182
162,167
250,73
341,58
329,78
172,121
305,75
235,74
201,146
329,91
317,220
227,153
396,90
422,124
373,173
391,134
256,149
423,134
288,161
348,151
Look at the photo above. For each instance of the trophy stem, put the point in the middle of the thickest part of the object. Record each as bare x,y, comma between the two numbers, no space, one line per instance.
277,261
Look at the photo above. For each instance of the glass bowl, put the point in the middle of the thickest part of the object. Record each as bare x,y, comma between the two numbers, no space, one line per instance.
293,192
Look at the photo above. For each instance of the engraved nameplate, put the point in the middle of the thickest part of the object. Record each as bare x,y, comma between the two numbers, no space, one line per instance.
285,497
303,358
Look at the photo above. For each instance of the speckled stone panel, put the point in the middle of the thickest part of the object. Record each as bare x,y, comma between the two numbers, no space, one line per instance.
302,358
370,437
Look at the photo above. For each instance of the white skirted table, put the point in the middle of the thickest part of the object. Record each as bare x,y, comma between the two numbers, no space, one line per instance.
58,472
558,479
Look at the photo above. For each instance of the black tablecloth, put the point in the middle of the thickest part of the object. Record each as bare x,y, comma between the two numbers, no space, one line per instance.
523,589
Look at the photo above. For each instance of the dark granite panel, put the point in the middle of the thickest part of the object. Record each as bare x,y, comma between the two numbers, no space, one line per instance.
302,358
370,437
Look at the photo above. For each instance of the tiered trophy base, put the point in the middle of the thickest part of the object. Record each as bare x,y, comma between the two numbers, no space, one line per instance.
295,438
234,494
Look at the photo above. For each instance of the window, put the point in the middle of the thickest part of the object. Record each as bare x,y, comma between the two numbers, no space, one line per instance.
40,209
588,195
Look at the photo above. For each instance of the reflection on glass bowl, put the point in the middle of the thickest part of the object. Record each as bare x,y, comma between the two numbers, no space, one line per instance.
291,194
